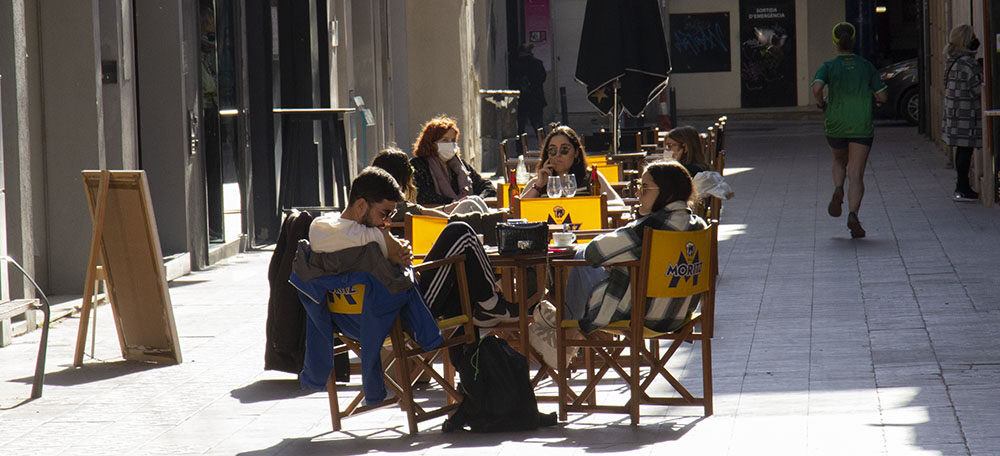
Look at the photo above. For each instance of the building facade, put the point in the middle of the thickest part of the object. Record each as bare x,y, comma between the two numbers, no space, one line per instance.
285,101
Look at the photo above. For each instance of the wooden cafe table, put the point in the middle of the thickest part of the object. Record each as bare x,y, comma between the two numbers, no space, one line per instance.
514,285
619,215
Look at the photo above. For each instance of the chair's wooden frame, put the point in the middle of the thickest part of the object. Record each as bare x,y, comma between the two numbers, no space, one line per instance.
720,127
502,159
407,355
650,141
634,337
714,142
628,161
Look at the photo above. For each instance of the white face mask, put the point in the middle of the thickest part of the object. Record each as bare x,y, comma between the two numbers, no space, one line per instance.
446,150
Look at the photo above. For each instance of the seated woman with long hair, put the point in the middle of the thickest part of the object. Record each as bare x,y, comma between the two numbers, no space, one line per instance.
440,174
596,296
564,154
684,145
397,164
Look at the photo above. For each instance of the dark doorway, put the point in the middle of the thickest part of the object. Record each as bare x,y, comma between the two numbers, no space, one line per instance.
310,134
211,90
992,92
897,31
259,58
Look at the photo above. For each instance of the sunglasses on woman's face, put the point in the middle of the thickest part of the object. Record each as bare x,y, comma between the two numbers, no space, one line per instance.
564,150
645,188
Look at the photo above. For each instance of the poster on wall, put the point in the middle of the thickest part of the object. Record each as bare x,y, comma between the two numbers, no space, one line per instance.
767,53
537,32
699,43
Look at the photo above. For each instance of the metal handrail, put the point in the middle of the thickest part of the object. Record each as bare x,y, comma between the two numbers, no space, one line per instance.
36,386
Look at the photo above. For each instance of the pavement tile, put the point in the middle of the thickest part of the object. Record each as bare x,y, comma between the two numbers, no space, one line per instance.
984,446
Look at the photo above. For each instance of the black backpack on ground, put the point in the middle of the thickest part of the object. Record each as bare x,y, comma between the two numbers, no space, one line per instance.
496,385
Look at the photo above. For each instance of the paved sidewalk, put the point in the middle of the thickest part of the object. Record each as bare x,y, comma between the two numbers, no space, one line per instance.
824,345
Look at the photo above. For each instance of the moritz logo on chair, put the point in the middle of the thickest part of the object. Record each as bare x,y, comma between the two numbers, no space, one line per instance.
346,300
559,213
688,267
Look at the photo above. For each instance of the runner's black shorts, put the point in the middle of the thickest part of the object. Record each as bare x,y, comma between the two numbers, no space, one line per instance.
841,143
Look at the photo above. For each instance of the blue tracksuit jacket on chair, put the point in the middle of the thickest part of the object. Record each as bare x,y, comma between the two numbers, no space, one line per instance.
379,308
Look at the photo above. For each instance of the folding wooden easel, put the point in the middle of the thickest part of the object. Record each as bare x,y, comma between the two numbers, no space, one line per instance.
126,244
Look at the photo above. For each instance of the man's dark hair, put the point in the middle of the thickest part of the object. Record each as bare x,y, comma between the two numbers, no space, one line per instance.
374,185
674,182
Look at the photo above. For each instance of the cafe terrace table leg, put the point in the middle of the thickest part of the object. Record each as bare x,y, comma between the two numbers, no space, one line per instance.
522,304
507,282
541,276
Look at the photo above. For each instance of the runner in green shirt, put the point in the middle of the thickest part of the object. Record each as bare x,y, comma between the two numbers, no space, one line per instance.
848,122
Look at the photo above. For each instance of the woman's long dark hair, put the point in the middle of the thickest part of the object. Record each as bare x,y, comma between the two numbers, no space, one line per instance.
674,182
579,167
693,154
397,163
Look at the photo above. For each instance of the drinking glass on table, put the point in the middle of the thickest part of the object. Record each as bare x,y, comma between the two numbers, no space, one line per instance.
569,185
554,188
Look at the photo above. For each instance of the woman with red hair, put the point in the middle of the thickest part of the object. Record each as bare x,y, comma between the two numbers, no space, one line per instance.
440,174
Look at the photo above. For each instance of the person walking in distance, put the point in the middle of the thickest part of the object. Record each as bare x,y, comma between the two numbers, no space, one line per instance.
850,81
528,74
961,123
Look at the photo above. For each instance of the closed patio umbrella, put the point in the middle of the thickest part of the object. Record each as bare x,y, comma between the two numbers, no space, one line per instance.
622,46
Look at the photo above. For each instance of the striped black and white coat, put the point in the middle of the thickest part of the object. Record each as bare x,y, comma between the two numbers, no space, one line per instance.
611,299
961,123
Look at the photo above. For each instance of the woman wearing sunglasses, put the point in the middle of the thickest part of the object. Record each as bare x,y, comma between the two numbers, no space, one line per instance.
564,154
597,295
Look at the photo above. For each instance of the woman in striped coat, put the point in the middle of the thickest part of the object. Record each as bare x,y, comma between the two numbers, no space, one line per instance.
961,124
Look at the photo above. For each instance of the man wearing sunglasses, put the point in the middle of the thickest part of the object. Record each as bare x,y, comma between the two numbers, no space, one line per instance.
373,197
352,256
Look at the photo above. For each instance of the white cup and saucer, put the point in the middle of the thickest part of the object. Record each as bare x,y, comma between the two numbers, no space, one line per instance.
563,239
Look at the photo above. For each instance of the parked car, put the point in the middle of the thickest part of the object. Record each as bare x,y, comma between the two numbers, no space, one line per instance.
903,91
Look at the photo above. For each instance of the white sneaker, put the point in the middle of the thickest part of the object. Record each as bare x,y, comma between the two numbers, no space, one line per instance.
545,312
542,339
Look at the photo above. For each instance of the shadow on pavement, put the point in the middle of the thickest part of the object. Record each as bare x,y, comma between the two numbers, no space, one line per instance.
269,390
610,437
93,372
12,407
177,283
870,239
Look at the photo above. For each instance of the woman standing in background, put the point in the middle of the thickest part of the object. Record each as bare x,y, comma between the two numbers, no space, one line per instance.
961,124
